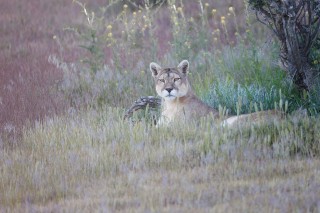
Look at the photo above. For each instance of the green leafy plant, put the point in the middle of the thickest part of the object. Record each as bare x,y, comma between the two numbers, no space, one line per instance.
243,99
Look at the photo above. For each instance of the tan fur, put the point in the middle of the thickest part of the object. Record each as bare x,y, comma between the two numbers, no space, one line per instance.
179,103
256,117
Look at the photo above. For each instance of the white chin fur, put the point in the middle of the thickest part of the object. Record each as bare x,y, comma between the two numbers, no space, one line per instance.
170,98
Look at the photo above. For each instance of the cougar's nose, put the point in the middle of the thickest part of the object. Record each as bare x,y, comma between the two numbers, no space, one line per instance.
169,89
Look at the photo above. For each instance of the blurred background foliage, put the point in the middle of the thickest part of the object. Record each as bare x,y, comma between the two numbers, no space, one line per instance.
97,53
223,41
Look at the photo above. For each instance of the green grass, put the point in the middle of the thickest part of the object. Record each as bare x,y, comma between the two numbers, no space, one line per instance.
244,99
97,161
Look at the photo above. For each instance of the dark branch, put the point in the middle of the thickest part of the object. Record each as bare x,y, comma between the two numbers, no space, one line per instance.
143,103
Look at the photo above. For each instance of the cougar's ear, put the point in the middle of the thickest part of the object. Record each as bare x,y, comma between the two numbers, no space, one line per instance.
155,69
183,66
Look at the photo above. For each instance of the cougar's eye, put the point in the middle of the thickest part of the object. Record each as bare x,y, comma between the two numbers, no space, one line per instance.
176,79
161,80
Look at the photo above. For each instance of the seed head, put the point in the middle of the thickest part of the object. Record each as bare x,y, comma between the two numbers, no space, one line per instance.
109,27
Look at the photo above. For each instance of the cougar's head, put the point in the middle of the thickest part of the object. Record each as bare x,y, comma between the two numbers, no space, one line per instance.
171,83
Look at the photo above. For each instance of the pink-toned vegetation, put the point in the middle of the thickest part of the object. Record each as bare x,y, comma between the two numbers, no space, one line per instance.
27,79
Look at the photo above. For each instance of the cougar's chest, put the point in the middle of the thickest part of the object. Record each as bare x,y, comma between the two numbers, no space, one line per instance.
171,112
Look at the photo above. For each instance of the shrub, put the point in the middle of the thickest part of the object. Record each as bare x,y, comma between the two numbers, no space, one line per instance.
296,24
243,99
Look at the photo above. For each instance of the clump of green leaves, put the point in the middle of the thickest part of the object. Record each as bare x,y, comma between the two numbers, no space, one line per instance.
240,99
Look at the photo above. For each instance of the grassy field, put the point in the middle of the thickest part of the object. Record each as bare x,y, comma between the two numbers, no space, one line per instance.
96,162
68,72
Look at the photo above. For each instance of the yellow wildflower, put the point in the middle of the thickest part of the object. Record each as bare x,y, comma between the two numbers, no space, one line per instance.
223,20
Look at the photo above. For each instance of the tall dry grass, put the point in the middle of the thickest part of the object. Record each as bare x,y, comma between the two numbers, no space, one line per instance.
93,161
